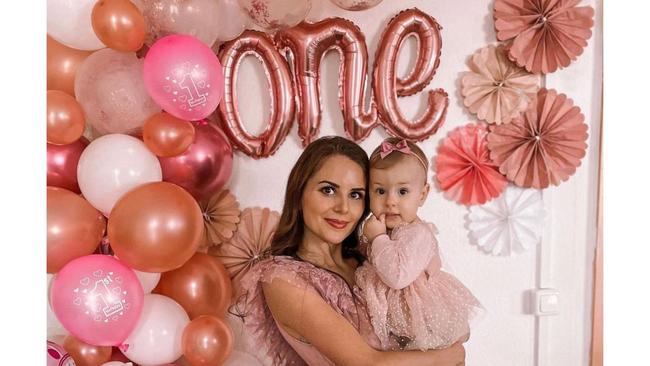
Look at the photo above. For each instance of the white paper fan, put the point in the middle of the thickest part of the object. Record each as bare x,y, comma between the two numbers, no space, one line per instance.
509,224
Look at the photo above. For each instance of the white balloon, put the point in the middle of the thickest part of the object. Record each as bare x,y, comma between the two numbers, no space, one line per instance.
157,337
55,330
70,23
117,363
148,280
231,20
112,165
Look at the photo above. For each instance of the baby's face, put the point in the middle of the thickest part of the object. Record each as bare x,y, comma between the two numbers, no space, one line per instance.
398,191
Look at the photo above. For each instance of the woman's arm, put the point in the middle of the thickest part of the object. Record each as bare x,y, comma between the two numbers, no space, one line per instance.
400,261
304,314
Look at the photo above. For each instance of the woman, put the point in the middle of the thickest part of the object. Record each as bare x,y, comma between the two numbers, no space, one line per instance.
301,305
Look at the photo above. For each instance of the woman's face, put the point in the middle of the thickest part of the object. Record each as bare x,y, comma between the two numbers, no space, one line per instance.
333,200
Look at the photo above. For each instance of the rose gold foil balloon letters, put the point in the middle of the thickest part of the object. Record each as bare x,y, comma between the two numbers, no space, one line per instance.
282,105
387,86
308,44
305,45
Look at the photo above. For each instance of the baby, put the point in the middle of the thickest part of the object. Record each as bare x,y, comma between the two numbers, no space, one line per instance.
412,302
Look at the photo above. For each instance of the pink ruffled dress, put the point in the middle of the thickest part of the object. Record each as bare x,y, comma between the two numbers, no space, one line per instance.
268,337
410,299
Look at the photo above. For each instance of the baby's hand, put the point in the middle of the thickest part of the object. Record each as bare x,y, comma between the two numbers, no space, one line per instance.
374,227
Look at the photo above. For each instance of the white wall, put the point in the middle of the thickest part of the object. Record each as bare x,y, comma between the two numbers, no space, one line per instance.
508,335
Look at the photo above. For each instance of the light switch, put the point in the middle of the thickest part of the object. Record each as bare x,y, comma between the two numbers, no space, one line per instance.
546,302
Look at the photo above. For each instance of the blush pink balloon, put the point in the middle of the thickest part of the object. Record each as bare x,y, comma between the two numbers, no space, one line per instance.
62,163
205,166
184,77
97,299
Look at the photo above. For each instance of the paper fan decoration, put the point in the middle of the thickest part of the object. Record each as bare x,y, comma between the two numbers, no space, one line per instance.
496,89
254,234
464,169
509,224
220,218
546,34
544,145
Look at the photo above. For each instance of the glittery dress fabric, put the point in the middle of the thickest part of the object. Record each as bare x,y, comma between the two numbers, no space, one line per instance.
259,324
412,302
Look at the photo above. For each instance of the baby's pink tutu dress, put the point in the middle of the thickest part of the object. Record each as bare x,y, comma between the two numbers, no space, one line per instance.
410,299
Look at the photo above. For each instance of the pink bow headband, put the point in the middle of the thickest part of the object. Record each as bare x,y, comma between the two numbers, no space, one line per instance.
401,146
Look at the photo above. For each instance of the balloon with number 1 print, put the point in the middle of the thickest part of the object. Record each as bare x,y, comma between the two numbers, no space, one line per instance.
184,77
97,299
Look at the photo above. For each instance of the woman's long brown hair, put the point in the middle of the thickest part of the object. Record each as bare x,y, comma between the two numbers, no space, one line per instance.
289,233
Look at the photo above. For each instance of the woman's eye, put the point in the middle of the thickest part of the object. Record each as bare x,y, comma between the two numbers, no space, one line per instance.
356,195
328,190
380,191
403,191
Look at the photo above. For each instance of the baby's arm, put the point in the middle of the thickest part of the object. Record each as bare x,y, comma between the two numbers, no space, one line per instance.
401,260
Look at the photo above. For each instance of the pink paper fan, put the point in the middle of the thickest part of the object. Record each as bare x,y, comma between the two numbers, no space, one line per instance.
496,89
544,146
546,34
464,169
253,236
220,218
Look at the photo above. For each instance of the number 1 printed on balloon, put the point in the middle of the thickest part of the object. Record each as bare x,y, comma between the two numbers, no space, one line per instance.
188,84
112,304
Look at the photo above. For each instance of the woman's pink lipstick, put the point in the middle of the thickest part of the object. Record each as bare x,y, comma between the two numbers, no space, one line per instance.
337,224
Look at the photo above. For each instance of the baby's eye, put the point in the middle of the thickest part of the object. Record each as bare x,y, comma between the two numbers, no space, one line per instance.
356,195
328,190
403,192
380,191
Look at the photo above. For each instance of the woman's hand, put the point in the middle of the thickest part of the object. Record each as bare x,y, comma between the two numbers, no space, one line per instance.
374,227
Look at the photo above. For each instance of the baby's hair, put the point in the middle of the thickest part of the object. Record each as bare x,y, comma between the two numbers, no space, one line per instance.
377,162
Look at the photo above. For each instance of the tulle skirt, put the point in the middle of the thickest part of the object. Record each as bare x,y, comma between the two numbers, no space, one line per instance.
433,312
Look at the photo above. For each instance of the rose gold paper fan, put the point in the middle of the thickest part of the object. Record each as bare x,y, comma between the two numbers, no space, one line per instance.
254,234
544,145
546,34
220,218
496,89
464,169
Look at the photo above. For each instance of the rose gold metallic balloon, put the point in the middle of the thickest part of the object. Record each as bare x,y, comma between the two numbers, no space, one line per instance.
74,228
65,118
119,24
282,96
166,135
387,86
205,167
308,43
155,227
62,64
201,286
62,163
356,5
85,354
207,341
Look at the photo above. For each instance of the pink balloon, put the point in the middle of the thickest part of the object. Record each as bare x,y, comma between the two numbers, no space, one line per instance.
57,356
184,77
62,163
97,299
205,166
